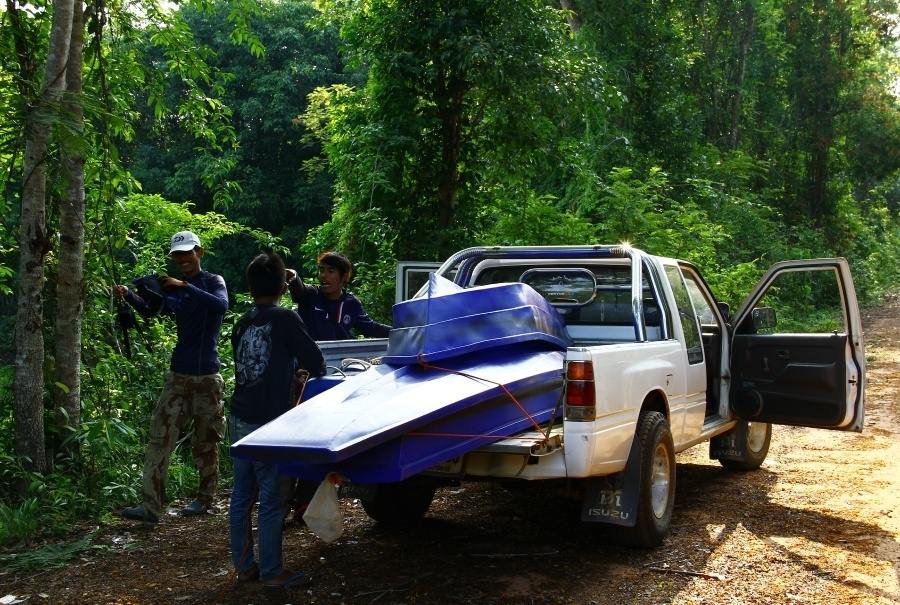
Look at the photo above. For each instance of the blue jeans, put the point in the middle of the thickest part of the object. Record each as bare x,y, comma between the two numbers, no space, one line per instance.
274,495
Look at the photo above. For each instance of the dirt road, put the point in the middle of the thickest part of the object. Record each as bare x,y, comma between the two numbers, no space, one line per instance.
818,524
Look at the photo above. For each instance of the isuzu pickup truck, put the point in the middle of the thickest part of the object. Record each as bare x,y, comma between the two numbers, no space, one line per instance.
621,360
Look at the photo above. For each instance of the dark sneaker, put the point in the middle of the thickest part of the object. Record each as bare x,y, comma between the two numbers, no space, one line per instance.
296,518
250,575
139,513
287,580
194,508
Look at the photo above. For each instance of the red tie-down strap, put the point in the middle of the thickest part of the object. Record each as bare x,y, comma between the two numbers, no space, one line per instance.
427,366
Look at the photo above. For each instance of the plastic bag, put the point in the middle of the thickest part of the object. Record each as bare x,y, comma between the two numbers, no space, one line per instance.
323,515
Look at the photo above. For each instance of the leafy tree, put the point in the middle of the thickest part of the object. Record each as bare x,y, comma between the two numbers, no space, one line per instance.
462,101
265,94
34,242
52,169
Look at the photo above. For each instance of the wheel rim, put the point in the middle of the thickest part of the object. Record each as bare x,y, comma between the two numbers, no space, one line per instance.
756,436
660,479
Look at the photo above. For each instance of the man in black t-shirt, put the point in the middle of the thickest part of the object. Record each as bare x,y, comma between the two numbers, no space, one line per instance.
270,343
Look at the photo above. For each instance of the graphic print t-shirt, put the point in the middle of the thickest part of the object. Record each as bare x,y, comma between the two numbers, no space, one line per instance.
256,350
270,343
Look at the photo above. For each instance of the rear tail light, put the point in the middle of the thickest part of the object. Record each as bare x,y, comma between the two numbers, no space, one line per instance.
580,391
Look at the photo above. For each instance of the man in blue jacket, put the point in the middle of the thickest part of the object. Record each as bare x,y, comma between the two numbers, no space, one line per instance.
330,312
193,388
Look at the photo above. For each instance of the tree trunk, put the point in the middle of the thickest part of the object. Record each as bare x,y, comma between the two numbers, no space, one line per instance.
450,107
70,280
748,19
572,16
33,245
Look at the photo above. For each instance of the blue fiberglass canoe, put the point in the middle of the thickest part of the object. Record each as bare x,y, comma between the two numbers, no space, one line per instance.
418,409
450,321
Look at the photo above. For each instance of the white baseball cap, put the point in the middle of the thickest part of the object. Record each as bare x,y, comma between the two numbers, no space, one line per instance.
184,241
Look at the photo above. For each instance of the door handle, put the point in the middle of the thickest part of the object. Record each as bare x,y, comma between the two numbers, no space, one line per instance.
782,354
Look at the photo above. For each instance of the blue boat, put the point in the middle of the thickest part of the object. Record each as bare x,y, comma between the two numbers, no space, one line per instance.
465,367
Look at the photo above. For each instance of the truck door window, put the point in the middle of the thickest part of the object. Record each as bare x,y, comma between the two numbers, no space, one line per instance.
798,302
688,316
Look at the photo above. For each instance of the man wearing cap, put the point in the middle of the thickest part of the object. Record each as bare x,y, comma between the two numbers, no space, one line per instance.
193,388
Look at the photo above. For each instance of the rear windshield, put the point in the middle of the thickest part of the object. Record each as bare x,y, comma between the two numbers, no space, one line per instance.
612,304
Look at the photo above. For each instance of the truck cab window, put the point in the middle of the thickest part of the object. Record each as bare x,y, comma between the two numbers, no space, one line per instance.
710,334
702,305
608,317
688,316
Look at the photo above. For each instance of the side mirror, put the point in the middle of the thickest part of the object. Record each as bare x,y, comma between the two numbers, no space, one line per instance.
763,318
725,310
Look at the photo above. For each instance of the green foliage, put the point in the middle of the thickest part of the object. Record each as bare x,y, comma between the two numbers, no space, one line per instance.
264,86
143,225
875,242
645,212
20,523
536,220
35,504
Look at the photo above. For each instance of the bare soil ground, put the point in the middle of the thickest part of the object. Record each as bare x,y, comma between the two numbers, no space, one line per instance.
819,523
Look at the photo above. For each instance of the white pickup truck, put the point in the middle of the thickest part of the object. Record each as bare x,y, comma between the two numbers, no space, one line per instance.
657,365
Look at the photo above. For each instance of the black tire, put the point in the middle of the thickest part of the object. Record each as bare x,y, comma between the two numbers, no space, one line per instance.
398,503
656,498
756,448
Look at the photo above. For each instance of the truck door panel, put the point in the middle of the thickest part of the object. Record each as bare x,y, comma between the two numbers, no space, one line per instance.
799,358
784,377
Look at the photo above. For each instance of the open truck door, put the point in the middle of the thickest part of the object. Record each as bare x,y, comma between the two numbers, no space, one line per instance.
797,352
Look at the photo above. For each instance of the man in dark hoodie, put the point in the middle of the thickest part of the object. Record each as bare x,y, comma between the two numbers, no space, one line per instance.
270,343
193,387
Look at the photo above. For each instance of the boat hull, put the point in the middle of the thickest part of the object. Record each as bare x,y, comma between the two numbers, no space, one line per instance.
392,422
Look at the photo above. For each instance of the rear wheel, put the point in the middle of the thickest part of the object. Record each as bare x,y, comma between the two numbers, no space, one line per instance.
395,503
757,437
656,498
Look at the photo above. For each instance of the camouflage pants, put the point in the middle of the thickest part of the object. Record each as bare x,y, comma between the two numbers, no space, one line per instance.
184,398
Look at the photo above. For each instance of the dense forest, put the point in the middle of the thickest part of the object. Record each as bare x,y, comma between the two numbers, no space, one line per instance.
732,133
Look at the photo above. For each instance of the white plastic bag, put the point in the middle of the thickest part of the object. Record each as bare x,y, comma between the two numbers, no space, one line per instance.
323,515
